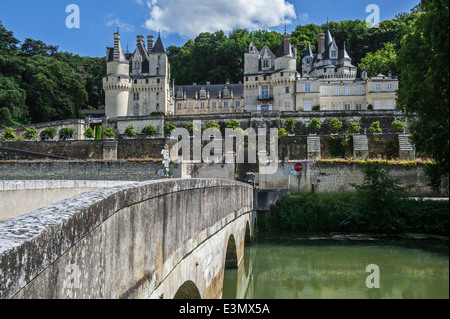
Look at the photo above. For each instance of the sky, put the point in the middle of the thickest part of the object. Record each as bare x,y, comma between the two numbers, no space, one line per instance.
53,22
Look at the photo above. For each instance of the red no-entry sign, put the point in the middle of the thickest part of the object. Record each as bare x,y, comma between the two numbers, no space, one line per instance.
298,167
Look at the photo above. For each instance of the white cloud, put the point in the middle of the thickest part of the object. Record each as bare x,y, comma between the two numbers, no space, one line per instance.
111,20
188,18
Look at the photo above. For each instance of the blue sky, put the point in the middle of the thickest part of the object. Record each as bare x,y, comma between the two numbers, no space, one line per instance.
178,20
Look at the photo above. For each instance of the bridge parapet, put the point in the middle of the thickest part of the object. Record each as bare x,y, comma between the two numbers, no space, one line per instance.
120,242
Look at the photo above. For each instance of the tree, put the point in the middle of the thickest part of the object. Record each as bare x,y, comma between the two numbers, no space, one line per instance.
398,126
335,125
30,133
289,125
424,63
9,134
212,125
49,133
315,124
55,91
90,133
233,124
353,127
191,127
67,133
282,132
149,130
130,132
169,128
375,127
382,61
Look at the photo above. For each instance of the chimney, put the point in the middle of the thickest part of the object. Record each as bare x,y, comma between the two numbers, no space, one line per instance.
287,44
150,42
116,46
321,46
140,38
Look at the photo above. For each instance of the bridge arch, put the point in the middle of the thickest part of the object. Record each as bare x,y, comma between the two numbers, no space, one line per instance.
188,290
141,240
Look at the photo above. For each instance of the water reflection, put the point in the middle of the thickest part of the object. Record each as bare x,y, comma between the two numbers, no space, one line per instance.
330,269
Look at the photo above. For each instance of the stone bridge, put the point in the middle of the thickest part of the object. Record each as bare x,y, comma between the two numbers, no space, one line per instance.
155,239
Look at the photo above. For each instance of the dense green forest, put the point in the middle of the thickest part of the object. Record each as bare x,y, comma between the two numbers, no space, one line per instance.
39,84
217,57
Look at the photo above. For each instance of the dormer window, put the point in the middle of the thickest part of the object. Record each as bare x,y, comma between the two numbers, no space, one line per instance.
333,53
265,63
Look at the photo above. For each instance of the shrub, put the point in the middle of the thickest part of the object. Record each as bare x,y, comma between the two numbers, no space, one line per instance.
315,124
30,133
353,127
289,125
398,126
375,127
232,124
169,128
109,132
50,132
282,132
98,132
89,133
149,130
335,125
191,127
130,132
67,132
212,125
9,134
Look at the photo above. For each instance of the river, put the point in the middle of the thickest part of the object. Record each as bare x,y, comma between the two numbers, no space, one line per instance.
288,266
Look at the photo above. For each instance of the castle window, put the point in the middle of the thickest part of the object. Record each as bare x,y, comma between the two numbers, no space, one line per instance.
190,106
323,107
225,105
256,78
266,63
157,107
359,107
306,88
335,107
307,106
281,74
389,87
264,92
287,89
378,87
238,104
347,91
377,105
157,71
359,90
202,105
214,105
287,106
389,105
136,110
324,91
333,53
136,96
158,81
336,91
135,81
179,106
146,81
347,107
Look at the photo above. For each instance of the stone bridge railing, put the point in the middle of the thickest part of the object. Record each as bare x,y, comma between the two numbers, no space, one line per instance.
120,242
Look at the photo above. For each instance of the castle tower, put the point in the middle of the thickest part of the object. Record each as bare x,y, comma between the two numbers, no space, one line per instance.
117,83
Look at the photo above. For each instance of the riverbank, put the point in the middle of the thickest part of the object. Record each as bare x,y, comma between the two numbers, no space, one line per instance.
351,213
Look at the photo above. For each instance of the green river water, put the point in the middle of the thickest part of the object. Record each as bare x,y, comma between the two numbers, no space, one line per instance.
286,266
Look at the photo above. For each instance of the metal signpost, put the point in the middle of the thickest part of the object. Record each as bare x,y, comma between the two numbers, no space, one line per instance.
293,169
